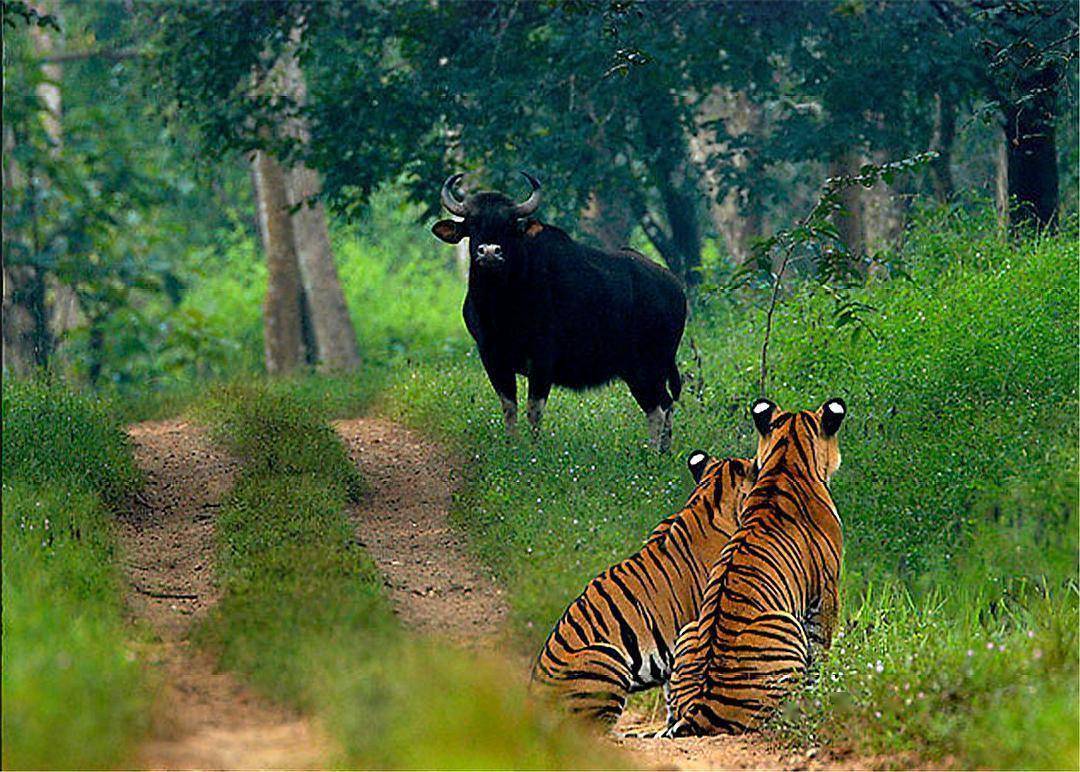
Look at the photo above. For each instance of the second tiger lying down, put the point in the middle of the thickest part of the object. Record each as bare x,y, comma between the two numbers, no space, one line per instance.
619,636
772,597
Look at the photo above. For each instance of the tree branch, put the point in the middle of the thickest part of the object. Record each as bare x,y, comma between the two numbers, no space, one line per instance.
109,54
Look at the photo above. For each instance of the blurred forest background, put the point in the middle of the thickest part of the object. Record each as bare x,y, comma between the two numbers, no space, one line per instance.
195,190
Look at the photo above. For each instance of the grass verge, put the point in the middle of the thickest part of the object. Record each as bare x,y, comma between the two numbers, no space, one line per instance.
958,489
73,693
303,614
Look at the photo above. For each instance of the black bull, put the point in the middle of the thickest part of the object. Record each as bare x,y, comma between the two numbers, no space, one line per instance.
561,313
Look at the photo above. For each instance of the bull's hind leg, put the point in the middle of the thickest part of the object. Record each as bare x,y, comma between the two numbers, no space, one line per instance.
593,682
751,676
652,395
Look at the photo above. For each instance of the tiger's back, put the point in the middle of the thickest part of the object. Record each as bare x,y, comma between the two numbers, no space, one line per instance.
772,596
618,636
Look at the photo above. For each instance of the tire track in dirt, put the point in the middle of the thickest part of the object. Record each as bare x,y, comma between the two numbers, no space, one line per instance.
203,718
438,588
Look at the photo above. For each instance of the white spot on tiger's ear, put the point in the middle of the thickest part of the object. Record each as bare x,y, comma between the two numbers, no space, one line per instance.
761,407
696,459
836,407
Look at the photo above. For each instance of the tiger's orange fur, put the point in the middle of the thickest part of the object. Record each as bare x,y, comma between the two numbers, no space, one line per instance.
772,597
618,636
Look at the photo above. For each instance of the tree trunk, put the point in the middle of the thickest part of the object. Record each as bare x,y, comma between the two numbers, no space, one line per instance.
849,222
283,341
943,140
736,215
64,311
334,333
672,175
1001,182
1032,154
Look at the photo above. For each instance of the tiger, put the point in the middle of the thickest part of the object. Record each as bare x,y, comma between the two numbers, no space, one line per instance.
618,636
772,598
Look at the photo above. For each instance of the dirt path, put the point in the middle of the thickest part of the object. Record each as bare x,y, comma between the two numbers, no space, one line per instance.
208,719
435,586
204,719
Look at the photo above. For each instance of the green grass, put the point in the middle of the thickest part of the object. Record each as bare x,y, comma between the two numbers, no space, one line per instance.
73,694
304,617
957,489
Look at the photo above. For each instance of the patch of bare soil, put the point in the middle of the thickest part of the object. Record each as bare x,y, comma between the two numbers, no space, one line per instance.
204,719
435,585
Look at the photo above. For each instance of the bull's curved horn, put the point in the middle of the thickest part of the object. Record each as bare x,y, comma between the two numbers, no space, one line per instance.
449,198
529,205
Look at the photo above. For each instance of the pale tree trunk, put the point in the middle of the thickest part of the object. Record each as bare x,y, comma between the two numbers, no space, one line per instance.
283,341
607,217
1001,181
849,222
608,220
334,335
64,312
734,215
18,323
882,214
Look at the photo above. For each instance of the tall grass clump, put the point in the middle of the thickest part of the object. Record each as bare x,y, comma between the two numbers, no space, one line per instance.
957,490
303,613
73,694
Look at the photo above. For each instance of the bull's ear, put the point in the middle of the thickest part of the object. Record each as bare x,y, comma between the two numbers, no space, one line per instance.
697,461
762,411
832,415
450,231
530,227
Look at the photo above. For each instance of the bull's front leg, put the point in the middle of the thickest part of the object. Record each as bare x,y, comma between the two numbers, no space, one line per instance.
539,389
504,381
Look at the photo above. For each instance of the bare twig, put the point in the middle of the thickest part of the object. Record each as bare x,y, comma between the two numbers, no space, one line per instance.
109,54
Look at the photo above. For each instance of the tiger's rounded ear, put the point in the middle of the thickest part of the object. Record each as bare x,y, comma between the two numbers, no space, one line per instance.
832,415
762,411
450,231
697,461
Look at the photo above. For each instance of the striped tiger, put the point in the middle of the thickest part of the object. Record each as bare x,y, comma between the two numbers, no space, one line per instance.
618,637
772,597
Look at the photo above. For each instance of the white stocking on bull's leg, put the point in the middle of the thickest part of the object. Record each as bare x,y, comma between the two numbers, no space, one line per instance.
665,433
657,417
534,411
539,388
509,408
